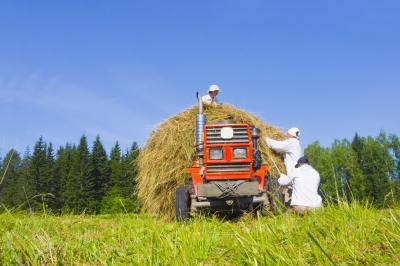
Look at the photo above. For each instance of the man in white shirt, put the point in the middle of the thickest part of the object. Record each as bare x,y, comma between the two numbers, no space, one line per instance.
305,182
211,97
290,148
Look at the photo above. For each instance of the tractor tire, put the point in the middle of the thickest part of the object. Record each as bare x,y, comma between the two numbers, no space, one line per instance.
265,207
182,208
276,199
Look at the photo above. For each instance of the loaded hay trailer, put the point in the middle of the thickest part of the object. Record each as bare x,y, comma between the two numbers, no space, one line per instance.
228,174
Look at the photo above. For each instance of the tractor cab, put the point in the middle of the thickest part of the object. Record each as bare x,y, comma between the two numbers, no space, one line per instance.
228,175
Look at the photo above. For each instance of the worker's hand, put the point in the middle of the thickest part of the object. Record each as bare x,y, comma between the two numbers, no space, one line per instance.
268,141
284,180
283,176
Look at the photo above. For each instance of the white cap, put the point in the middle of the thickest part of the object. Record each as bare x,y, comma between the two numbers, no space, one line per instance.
294,131
213,88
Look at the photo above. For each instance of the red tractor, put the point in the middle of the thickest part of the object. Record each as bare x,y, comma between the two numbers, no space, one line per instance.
228,175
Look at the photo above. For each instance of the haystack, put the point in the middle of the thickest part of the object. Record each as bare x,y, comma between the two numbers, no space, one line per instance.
170,150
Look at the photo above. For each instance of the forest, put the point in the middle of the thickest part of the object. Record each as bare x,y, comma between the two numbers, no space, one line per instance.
85,178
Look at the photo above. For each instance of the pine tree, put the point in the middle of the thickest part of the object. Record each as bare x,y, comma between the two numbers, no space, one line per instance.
120,197
81,185
129,166
52,181
68,170
100,172
26,183
41,172
9,179
116,167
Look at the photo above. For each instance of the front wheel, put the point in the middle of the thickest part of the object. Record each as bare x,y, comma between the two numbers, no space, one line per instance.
181,204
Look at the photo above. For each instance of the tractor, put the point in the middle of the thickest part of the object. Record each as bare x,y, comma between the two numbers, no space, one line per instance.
228,175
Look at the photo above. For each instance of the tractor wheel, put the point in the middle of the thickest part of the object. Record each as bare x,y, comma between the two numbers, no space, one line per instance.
264,208
277,202
182,204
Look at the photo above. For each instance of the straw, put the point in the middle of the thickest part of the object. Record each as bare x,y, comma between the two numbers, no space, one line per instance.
170,150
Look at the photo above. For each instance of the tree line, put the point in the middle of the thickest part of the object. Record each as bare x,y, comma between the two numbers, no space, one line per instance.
73,179
76,179
365,168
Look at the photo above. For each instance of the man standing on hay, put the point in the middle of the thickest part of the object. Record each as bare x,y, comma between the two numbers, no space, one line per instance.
211,97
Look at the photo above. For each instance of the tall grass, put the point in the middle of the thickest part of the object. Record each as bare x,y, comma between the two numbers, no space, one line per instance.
347,234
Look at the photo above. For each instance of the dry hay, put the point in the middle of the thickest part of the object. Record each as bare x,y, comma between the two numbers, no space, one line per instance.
170,150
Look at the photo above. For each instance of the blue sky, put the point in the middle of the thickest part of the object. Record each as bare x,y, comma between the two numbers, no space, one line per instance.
117,68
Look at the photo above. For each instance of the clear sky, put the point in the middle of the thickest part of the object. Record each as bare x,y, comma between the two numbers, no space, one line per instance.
117,68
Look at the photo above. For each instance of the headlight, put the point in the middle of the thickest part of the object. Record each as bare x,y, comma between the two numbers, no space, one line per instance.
216,154
239,153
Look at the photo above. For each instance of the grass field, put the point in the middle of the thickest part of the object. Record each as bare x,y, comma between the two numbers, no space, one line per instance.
345,235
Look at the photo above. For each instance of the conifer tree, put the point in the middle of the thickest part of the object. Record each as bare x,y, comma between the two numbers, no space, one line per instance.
129,161
68,172
9,178
100,172
120,197
80,191
26,183
42,175
116,167
52,181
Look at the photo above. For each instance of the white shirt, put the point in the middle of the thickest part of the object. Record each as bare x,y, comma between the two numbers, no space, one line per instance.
305,183
208,100
291,148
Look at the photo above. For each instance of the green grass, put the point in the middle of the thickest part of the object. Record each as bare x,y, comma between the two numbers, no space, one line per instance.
345,235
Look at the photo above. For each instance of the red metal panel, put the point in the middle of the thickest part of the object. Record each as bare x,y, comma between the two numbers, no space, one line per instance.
227,154
194,171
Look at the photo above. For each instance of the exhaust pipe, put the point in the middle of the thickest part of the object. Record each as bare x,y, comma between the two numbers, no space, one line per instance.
255,135
200,123
257,158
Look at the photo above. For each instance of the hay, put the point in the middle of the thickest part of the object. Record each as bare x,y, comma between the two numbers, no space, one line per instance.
170,150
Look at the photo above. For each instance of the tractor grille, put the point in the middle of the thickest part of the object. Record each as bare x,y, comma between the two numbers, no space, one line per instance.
228,167
240,135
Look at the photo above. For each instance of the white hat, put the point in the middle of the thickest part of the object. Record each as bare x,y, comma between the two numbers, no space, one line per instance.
294,131
213,88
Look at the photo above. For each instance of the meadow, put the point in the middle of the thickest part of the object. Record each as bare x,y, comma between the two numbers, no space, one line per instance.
348,234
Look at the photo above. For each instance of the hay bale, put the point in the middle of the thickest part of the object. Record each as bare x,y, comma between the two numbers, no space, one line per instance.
170,150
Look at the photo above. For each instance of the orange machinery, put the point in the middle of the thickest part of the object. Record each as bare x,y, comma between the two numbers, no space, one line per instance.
228,175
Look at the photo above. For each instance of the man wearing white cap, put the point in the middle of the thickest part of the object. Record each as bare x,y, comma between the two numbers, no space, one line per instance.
211,97
290,148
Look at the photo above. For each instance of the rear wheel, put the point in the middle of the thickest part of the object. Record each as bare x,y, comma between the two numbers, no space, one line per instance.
182,204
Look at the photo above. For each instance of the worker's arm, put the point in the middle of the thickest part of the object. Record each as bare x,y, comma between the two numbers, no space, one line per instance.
285,180
279,146
205,100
